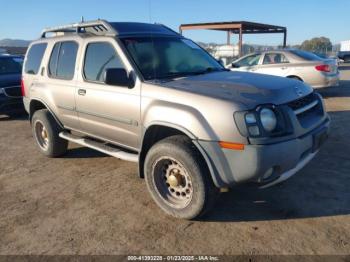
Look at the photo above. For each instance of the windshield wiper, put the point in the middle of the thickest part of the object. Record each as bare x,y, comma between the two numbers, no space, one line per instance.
181,74
210,70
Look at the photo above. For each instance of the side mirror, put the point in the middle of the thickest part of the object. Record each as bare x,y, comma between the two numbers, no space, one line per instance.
118,77
234,65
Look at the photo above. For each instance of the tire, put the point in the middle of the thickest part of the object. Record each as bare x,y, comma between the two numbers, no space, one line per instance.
178,179
295,78
46,133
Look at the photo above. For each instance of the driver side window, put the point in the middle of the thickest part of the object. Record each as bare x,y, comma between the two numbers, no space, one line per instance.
250,60
99,57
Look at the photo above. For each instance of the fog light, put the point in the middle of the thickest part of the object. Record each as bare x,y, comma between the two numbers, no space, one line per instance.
268,173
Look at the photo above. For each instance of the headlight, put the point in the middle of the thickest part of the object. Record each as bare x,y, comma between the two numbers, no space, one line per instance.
263,121
268,119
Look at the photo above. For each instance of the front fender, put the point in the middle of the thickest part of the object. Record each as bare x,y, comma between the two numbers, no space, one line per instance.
191,121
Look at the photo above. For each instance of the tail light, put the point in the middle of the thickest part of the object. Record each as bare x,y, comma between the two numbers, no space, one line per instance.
22,88
324,68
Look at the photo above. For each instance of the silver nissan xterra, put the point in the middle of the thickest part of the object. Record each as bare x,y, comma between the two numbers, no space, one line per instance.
143,93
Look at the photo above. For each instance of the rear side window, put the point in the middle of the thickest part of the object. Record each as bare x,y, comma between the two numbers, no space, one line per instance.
62,60
306,55
99,57
53,60
34,57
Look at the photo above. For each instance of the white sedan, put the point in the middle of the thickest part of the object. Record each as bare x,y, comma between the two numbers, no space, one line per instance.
291,63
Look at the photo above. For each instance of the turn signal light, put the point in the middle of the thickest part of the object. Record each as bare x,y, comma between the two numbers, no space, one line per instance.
234,146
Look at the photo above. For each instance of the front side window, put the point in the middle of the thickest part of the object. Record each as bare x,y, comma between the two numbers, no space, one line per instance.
251,60
63,59
34,57
10,65
275,58
99,57
164,57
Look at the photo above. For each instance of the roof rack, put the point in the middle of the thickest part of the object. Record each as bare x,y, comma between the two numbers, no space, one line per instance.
96,27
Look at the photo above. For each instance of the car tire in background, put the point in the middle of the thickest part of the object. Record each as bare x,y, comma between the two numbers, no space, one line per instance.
295,78
178,178
46,133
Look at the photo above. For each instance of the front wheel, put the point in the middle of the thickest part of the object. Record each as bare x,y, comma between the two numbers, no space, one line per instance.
178,178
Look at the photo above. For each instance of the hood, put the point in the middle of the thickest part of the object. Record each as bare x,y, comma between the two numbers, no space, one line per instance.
247,88
10,80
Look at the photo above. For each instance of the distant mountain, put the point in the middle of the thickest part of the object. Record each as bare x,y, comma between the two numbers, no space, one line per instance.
14,43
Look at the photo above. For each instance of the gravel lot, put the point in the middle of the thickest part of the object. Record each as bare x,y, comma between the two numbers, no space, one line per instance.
89,203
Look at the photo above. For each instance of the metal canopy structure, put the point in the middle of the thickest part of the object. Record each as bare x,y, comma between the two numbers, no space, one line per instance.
240,28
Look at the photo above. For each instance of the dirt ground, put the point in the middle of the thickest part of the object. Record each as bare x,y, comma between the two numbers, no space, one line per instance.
89,203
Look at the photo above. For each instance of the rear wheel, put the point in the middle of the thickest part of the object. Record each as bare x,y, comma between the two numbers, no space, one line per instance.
295,78
46,133
178,179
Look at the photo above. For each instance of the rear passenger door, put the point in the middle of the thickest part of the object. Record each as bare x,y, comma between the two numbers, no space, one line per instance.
111,113
61,81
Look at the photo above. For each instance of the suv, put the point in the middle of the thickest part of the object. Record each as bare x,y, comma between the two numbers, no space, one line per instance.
143,93
11,102
344,55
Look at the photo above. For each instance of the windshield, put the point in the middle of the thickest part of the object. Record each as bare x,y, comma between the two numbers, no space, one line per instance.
10,65
166,57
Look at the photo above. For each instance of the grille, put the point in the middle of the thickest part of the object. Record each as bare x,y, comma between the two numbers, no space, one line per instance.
13,91
302,102
308,110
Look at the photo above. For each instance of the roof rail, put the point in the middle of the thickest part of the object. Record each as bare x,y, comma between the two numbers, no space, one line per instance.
97,27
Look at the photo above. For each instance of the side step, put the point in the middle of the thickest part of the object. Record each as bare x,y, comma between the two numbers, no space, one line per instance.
109,150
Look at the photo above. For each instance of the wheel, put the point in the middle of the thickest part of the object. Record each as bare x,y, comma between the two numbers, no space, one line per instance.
295,78
178,179
46,130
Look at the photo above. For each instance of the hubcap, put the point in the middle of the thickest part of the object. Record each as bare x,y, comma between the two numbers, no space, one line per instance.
41,135
172,181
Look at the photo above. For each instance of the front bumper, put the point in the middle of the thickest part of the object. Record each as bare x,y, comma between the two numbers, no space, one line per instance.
230,167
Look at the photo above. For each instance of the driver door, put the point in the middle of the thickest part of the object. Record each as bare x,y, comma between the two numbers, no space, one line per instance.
111,113
248,63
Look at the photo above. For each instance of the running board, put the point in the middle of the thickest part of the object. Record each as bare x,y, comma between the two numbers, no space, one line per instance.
109,150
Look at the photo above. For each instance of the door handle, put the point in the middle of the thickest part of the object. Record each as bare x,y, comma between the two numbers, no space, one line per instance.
284,68
81,92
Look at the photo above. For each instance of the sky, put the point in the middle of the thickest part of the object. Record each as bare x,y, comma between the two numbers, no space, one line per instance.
304,19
